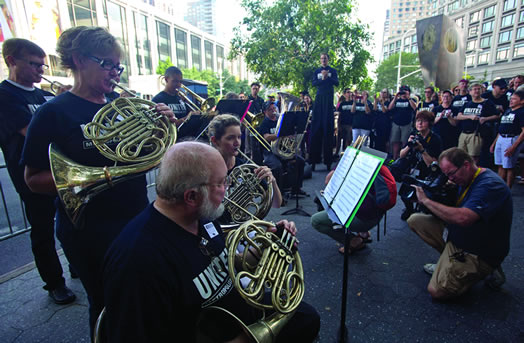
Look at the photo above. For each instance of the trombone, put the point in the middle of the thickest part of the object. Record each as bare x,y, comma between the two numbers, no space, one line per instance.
256,120
205,104
55,85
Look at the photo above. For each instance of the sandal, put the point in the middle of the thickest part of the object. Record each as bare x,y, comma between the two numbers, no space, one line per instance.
353,246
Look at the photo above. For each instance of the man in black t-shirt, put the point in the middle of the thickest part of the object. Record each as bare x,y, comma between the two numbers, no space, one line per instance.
292,168
473,118
462,97
428,104
170,263
445,124
498,95
19,99
252,145
402,109
345,120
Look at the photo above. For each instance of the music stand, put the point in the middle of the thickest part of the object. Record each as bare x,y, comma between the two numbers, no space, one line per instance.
235,107
292,123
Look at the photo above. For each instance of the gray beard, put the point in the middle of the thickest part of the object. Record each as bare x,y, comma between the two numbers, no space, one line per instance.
208,212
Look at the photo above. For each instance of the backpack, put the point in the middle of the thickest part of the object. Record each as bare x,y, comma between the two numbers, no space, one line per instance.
385,189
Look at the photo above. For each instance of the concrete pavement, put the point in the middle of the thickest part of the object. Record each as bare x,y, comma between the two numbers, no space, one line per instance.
387,298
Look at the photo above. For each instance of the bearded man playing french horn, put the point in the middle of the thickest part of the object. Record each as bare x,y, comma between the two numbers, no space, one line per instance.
170,263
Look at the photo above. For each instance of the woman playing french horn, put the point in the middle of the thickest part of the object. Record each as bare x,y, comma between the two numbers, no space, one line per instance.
224,133
93,55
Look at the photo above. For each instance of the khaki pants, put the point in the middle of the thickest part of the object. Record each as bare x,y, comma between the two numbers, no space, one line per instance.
456,270
471,143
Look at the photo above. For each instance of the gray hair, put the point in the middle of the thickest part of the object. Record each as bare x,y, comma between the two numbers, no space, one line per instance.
182,169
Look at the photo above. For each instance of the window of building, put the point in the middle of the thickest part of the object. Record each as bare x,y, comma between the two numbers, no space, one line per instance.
509,4
518,51
196,52
414,49
143,45
473,31
485,42
82,12
487,26
220,58
521,17
470,60
208,52
520,33
117,22
471,44
483,58
475,16
503,53
489,11
181,48
397,44
507,20
460,22
164,41
504,37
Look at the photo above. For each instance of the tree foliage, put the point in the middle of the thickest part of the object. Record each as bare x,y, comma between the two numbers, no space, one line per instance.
387,72
229,82
285,40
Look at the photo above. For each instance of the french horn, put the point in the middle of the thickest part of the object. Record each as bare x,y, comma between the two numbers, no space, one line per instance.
276,269
127,131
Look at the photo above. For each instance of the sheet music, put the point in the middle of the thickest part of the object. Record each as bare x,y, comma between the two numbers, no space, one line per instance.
340,173
354,185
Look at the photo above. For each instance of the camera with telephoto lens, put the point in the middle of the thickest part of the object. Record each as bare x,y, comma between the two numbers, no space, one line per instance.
435,185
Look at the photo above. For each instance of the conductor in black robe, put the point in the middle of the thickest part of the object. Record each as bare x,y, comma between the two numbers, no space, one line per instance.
322,124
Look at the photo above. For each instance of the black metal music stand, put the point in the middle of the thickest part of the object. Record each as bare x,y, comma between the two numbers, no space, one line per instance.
294,122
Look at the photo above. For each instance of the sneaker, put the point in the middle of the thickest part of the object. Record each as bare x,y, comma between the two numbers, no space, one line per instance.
406,214
62,295
496,279
430,268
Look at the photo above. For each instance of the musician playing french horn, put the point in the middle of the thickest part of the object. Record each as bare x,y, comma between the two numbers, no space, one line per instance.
170,263
93,55
294,167
172,79
224,133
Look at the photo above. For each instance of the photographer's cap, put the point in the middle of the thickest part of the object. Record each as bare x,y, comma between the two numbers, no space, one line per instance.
405,89
501,83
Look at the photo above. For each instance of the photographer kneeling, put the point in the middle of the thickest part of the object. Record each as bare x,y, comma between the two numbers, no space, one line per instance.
422,149
473,237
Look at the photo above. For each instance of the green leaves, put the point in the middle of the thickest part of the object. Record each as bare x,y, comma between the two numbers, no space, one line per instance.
387,72
286,39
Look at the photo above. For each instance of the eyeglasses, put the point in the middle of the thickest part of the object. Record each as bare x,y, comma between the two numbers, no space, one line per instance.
347,92
453,172
108,64
225,184
36,65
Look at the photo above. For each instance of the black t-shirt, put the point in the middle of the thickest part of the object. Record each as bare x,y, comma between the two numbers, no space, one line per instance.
433,146
480,109
459,101
256,105
443,127
427,106
501,103
61,121
325,87
402,113
17,106
361,119
193,126
158,277
345,117
512,122
174,102
268,126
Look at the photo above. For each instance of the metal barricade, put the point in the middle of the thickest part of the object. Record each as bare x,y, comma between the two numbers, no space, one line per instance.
14,224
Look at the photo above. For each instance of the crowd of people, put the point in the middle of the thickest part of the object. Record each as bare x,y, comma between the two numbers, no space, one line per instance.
154,267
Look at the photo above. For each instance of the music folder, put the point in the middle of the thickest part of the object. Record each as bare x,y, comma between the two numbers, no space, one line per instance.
292,122
350,183
237,107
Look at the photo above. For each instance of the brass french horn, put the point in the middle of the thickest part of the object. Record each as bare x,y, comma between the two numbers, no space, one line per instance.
278,272
127,131
247,197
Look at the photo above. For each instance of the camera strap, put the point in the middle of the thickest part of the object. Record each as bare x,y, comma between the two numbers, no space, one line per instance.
463,195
